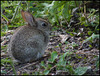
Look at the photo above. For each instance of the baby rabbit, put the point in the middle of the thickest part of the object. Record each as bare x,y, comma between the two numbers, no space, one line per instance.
29,42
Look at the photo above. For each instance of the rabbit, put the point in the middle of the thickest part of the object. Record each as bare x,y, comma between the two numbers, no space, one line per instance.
29,42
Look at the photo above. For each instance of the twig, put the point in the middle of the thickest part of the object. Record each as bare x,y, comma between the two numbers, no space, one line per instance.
53,67
9,71
28,65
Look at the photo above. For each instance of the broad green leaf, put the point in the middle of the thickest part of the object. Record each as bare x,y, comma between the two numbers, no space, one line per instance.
42,64
91,37
46,72
62,60
61,63
69,68
63,56
54,55
80,70
49,66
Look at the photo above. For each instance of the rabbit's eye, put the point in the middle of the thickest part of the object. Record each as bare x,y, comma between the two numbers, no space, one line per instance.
44,24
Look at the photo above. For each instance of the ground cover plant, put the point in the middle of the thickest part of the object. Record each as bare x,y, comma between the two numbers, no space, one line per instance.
73,48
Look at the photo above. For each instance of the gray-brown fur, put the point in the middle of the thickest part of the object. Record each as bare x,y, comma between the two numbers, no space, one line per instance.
29,42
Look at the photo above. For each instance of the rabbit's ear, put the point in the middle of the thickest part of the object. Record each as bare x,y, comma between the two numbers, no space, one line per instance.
28,18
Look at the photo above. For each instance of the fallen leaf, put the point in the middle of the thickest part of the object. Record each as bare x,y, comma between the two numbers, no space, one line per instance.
64,38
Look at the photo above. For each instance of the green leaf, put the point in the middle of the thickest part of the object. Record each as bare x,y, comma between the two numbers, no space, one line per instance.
6,60
66,10
62,60
46,72
90,46
80,70
49,66
82,18
54,55
63,63
91,38
90,32
69,68
4,17
57,4
43,64
3,33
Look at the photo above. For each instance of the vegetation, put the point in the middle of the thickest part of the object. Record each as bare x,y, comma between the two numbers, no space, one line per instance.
74,23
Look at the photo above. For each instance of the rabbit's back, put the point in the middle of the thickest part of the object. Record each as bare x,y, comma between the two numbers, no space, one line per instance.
28,43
